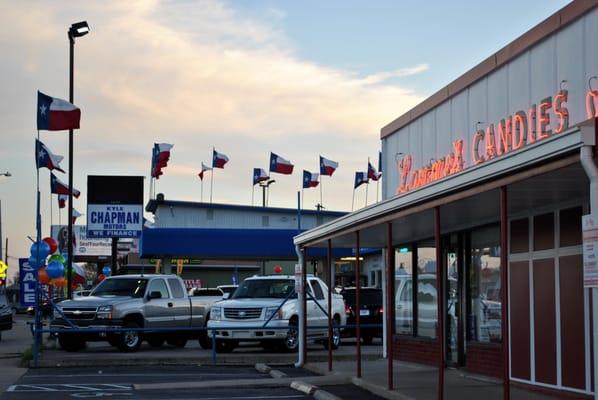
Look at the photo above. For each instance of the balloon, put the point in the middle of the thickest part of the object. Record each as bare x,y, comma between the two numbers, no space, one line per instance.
42,247
277,269
101,277
42,276
35,263
58,282
57,257
52,243
107,271
55,270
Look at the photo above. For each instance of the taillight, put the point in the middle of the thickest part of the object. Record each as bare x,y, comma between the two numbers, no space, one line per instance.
348,310
381,310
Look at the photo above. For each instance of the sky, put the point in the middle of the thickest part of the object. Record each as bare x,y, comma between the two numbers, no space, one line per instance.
299,78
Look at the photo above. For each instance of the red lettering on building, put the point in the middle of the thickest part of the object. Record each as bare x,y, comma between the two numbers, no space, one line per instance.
519,129
591,100
543,118
561,110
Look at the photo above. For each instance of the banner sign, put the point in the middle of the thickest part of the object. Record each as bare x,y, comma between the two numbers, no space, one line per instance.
590,250
27,279
114,206
83,246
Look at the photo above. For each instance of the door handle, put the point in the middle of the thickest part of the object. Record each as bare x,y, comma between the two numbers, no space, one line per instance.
169,304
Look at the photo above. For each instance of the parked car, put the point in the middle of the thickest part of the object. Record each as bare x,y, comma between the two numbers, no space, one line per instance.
133,301
46,306
261,297
5,315
371,312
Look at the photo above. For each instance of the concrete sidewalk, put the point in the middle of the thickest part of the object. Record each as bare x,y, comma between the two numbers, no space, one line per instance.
413,381
13,343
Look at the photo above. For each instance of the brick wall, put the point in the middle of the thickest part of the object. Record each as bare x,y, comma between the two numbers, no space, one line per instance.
417,350
484,359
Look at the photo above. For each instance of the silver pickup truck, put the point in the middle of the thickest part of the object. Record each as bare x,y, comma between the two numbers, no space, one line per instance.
133,301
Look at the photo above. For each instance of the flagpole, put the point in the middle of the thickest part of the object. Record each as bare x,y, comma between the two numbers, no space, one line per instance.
252,193
51,213
59,217
377,189
201,188
211,183
302,195
321,202
353,200
367,185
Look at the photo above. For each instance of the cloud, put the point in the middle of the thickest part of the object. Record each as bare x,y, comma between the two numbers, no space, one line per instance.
400,73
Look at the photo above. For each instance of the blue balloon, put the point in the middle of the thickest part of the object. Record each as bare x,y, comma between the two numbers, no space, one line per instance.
42,247
35,263
55,270
107,271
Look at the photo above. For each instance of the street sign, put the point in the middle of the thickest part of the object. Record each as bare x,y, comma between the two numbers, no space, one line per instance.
298,279
590,250
114,206
3,269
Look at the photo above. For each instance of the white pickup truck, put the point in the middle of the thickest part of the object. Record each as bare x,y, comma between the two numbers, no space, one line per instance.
258,298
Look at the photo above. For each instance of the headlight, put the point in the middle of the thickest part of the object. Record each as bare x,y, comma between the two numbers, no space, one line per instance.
273,310
105,312
216,313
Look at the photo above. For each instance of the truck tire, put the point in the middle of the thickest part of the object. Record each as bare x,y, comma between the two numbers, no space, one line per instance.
291,343
70,342
129,341
177,342
204,340
225,346
336,336
155,341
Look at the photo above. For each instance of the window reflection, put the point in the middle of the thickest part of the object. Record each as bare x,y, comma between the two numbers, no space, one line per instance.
404,291
427,316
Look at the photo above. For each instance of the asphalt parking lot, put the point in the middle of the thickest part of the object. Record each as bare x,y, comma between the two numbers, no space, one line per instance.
133,383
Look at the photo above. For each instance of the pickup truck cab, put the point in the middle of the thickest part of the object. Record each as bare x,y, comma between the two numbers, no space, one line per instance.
132,301
243,316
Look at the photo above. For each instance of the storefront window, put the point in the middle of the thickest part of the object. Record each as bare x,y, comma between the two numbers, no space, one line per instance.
427,314
404,290
484,311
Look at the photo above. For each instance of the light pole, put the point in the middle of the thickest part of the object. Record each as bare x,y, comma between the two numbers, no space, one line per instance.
264,186
76,30
8,175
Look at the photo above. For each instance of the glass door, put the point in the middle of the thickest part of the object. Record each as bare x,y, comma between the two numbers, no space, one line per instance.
454,295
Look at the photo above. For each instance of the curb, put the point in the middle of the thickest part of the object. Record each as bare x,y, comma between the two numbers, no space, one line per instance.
324,395
277,374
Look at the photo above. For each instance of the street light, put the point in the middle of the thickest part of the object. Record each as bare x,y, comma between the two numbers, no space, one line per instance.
264,186
76,30
8,175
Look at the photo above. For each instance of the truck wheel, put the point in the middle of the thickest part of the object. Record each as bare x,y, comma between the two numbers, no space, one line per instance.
336,337
225,346
205,341
177,342
291,342
155,341
70,342
129,341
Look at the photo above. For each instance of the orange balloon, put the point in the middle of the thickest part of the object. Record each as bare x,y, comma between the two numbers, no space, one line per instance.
59,282
42,276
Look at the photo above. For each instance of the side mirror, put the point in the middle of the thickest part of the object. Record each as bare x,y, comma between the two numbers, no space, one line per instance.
154,295
225,296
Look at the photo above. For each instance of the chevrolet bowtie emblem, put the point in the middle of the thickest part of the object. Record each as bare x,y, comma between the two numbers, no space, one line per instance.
242,313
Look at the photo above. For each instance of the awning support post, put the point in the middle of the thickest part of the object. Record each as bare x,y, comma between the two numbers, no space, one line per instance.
504,286
304,315
300,300
440,303
330,283
390,304
358,303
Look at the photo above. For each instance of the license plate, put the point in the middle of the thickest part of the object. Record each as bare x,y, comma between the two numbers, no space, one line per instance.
364,312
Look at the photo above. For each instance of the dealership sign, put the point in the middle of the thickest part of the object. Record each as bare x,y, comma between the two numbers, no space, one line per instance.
114,206
547,118
27,280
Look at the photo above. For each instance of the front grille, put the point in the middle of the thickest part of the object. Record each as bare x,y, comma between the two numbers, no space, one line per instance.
80,313
242,313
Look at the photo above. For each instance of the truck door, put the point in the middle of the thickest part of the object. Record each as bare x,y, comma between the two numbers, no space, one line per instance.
158,312
318,316
181,306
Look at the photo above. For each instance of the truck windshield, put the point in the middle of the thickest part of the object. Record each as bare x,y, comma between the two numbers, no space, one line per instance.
121,287
264,288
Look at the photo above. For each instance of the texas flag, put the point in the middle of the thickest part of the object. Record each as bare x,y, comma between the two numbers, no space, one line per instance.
58,187
160,157
310,179
219,159
259,175
360,179
327,167
280,165
204,168
372,173
62,198
45,159
55,114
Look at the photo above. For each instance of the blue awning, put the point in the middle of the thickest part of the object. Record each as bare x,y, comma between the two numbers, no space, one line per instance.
275,244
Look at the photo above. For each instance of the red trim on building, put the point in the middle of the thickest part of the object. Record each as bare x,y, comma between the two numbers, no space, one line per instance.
484,359
417,350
